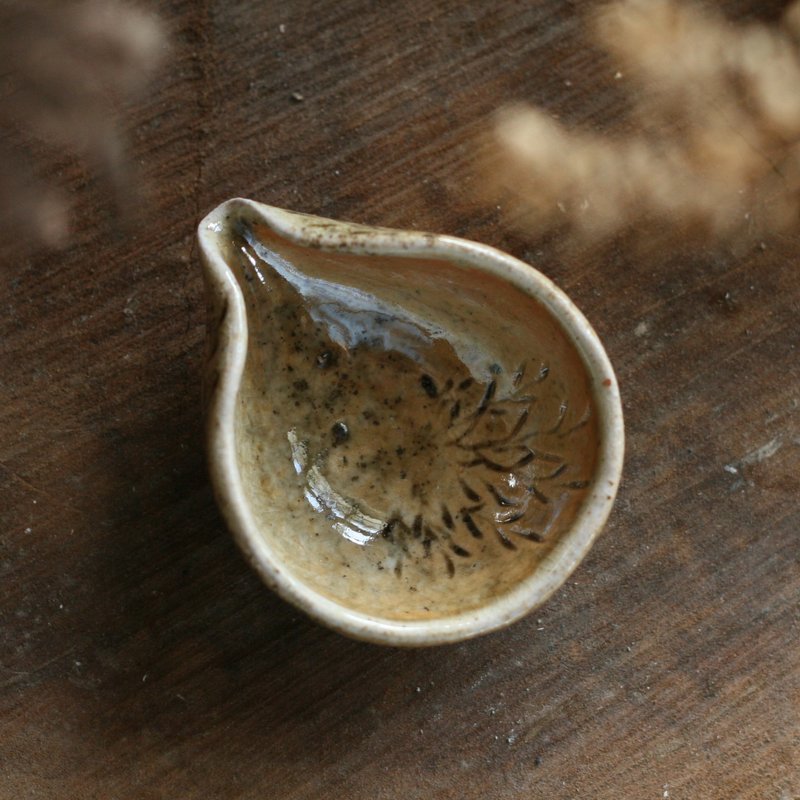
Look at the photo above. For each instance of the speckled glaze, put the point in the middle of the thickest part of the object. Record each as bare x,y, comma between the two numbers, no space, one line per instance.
413,438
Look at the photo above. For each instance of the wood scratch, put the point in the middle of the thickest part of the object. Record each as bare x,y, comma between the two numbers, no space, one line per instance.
26,483
18,675
17,477
763,453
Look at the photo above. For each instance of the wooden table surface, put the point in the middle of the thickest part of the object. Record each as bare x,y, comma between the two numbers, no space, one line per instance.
139,655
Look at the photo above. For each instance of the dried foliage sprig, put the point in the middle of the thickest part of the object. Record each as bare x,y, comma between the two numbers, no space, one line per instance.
66,69
717,150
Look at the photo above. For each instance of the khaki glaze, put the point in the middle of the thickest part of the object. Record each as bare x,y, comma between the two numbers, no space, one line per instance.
414,438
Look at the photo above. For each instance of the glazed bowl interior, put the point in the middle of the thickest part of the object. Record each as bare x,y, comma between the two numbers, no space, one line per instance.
414,438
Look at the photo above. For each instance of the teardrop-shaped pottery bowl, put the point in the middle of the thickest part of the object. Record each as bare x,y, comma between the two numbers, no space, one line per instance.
413,438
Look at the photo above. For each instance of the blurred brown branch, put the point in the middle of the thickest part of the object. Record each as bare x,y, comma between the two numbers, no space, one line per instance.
66,68
718,147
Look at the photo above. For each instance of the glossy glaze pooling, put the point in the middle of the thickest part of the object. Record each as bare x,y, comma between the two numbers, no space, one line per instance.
413,435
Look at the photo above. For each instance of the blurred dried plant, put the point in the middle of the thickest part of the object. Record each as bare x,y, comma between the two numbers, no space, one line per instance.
717,148
66,69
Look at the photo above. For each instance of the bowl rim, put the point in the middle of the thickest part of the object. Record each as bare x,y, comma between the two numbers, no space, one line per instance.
226,365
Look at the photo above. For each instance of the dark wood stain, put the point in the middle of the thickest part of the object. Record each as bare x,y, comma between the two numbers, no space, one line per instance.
142,658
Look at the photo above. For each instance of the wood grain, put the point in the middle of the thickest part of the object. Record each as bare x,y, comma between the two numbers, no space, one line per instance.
140,657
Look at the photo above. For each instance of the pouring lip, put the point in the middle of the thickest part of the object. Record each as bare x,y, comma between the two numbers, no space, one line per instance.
225,366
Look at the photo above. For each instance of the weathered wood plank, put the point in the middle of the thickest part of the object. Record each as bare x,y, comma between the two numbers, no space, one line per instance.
139,656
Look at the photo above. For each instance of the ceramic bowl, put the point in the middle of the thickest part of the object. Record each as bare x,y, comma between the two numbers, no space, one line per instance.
413,438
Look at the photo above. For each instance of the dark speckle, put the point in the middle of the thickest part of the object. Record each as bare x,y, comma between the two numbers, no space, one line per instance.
325,359
429,386
451,568
447,517
340,432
